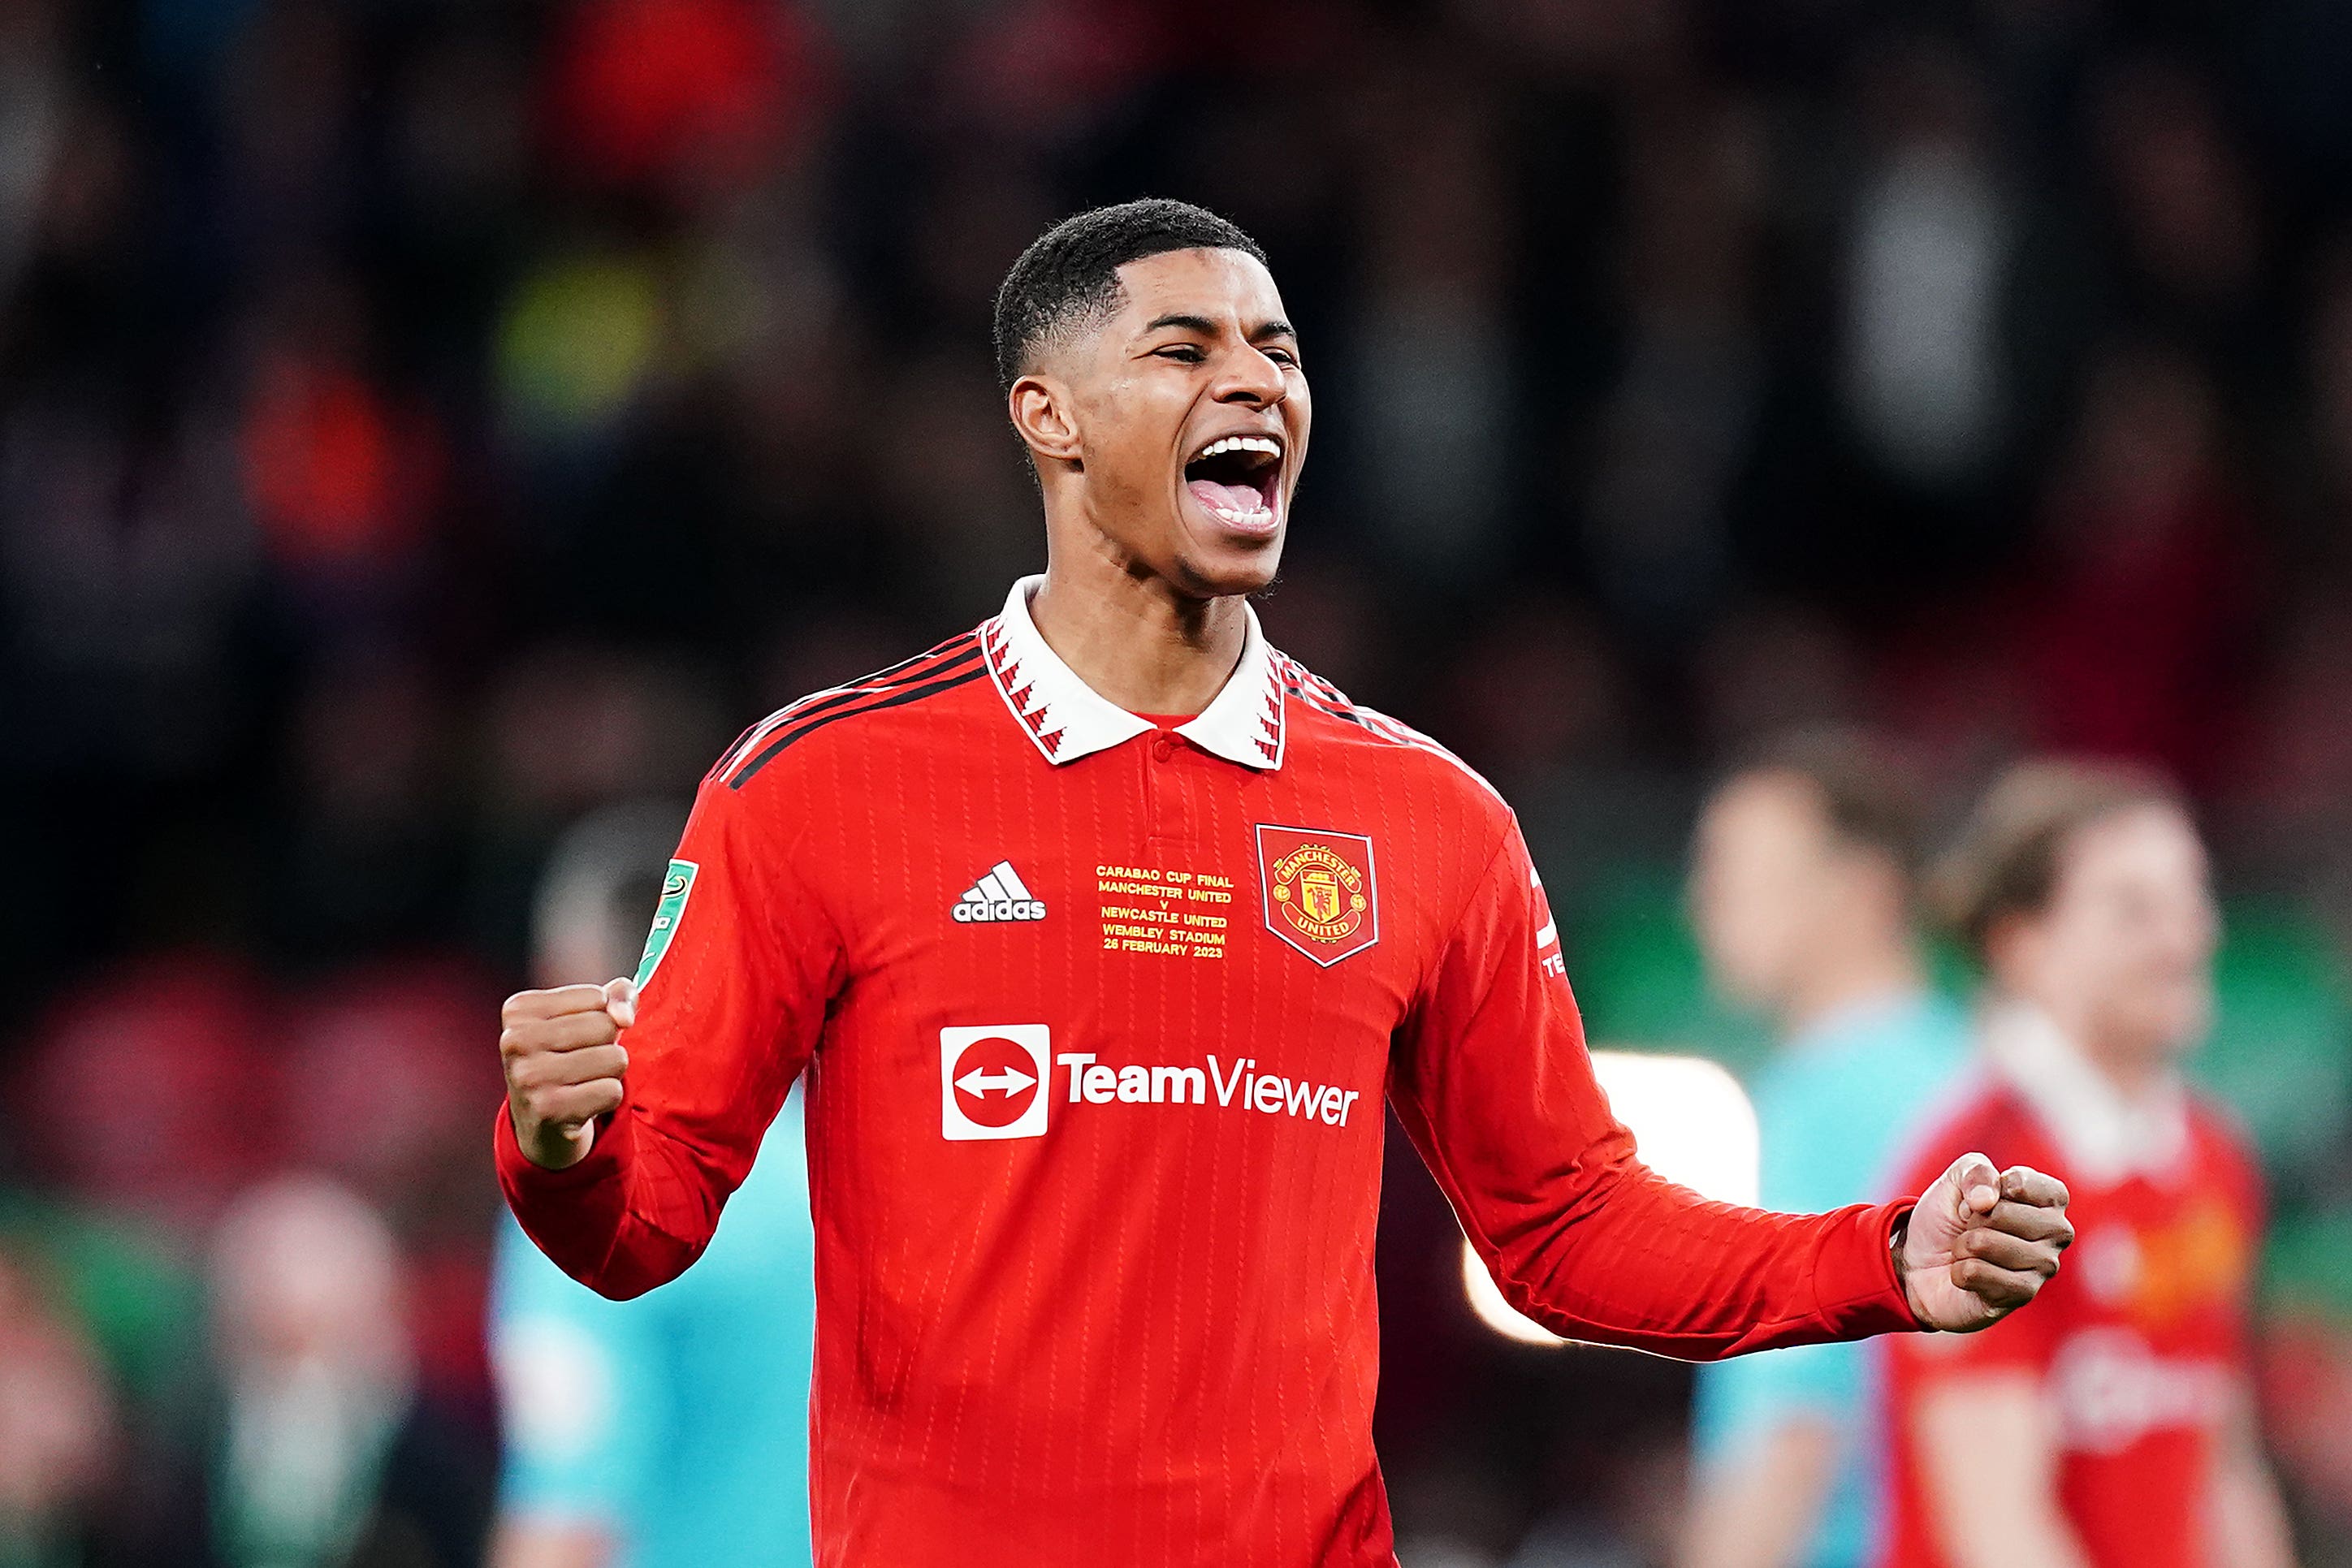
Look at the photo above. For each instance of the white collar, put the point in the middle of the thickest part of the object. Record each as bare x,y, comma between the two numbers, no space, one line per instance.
2106,1134
1067,719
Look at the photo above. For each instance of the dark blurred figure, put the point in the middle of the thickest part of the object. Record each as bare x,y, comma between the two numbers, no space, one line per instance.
317,1380
56,1426
670,1431
2117,1426
1801,894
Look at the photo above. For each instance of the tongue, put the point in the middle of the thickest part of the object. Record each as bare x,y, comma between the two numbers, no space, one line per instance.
1226,497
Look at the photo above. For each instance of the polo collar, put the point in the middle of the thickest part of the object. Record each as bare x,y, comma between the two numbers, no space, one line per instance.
1066,718
2106,1134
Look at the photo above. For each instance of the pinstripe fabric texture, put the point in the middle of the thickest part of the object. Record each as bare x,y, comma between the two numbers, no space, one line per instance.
1094,1192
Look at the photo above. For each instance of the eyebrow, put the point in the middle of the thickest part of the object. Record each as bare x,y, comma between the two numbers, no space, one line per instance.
1278,328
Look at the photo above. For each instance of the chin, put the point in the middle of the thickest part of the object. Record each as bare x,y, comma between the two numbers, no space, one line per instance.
1236,583
1229,573
2161,1033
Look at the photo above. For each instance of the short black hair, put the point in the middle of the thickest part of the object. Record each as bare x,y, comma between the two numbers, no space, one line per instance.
1069,274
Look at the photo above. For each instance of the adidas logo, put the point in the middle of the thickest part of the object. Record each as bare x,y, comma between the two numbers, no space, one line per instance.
999,895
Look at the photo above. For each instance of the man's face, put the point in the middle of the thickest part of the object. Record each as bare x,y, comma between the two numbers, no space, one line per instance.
1761,872
2124,954
1188,415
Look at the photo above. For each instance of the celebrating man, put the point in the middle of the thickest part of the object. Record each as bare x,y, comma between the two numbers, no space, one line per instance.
1102,932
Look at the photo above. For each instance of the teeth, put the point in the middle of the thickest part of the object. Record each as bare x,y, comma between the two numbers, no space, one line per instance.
1266,444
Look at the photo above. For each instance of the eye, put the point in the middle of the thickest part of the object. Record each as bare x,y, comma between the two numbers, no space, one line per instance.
1184,353
1281,356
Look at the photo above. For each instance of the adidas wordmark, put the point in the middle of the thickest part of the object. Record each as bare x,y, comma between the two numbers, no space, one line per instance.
999,894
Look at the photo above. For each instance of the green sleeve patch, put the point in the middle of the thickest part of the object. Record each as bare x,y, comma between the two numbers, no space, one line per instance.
675,887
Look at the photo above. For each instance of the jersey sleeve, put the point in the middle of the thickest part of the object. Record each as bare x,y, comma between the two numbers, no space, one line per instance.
731,996
1493,1082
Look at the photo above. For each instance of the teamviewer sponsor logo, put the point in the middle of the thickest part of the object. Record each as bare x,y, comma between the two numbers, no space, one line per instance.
992,1081
997,1082
999,894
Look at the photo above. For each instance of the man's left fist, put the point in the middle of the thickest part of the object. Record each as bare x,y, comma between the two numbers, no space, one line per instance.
1982,1243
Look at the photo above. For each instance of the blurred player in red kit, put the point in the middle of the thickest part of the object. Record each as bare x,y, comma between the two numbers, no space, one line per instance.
2113,1425
1103,932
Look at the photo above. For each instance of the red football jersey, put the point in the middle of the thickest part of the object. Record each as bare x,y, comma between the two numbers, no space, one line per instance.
2140,1343
1098,1019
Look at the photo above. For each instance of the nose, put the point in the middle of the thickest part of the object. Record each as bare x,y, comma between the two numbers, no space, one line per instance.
1251,378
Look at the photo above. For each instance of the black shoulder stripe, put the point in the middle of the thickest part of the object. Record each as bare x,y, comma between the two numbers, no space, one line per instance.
1320,705
953,653
850,696
890,673
802,728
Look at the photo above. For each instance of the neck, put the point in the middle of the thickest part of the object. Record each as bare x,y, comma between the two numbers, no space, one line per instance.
1134,638
2136,1074
1869,972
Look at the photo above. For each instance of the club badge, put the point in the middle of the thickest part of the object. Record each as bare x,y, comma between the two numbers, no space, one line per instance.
1318,891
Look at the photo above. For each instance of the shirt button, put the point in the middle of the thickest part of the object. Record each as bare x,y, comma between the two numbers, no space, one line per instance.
1164,748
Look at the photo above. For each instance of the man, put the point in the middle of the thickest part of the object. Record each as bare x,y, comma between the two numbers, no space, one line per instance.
1801,894
2114,1424
1102,932
670,1432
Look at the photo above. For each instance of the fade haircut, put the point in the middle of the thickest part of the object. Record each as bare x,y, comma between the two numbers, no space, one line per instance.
1068,277
2007,860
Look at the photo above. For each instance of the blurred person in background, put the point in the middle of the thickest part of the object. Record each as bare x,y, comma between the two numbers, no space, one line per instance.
1802,895
56,1426
317,1463
2114,1426
670,1431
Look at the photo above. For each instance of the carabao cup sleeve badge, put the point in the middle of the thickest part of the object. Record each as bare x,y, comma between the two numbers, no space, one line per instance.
1318,890
676,887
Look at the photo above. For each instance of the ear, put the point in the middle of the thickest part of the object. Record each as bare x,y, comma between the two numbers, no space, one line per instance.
1040,407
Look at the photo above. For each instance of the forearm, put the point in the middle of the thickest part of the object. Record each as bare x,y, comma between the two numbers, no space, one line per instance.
1758,1507
2250,1521
1988,1458
1615,1254
631,1214
2047,1543
532,1544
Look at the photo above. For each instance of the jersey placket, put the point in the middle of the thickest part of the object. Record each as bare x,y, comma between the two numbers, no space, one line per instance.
1167,813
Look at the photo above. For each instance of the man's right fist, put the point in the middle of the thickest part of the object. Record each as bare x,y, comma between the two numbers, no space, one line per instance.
564,1065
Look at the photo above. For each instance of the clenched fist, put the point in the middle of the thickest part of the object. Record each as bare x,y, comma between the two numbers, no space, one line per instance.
1982,1243
564,1065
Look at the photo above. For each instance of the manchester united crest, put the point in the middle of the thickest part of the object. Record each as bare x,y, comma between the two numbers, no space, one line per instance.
1319,889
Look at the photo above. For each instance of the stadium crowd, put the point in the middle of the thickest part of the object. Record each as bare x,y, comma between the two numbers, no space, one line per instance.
424,423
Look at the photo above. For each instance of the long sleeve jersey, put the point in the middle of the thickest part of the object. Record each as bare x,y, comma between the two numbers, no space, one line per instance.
1098,1015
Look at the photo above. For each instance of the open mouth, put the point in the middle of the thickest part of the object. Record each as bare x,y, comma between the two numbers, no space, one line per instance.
1237,480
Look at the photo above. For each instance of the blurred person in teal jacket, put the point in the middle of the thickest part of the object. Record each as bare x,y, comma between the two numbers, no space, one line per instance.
671,1430
1802,892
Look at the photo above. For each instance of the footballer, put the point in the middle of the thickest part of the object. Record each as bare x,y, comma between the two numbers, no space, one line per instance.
1102,935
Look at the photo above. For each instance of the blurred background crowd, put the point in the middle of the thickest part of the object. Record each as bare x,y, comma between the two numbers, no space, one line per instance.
426,421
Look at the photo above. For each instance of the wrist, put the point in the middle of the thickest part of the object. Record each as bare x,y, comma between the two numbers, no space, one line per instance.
1898,1237
551,1147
